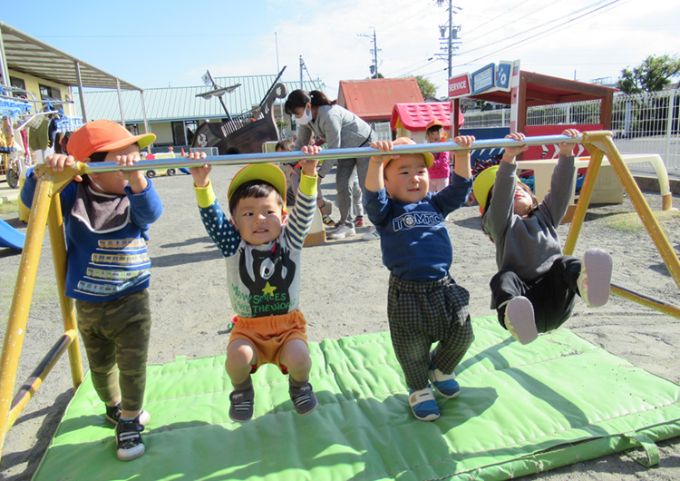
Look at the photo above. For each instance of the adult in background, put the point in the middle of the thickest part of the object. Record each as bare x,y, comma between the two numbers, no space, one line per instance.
318,116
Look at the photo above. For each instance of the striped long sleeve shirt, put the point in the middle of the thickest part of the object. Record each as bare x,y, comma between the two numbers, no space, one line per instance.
263,280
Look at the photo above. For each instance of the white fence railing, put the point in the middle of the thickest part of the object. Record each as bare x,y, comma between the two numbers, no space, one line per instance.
642,123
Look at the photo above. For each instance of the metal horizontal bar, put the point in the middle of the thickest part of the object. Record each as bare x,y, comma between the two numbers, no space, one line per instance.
285,157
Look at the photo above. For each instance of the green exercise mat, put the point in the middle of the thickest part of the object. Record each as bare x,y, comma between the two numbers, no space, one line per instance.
522,409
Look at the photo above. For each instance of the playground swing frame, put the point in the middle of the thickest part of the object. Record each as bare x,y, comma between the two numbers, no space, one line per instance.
46,210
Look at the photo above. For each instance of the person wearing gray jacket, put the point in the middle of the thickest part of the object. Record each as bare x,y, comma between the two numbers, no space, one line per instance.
536,284
316,115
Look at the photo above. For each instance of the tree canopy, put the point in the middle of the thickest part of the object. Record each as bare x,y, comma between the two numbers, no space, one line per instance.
652,75
427,88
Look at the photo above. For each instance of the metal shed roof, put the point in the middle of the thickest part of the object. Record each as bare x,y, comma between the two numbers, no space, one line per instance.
181,103
26,54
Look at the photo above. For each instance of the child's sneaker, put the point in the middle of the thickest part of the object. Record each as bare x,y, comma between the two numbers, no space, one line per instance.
241,409
444,384
519,319
423,405
359,221
303,397
129,442
341,232
370,234
113,415
595,277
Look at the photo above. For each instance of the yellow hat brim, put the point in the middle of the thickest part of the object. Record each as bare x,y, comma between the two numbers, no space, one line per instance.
483,184
269,173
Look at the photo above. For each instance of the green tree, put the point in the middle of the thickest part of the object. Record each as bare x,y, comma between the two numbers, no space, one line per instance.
427,88
652,75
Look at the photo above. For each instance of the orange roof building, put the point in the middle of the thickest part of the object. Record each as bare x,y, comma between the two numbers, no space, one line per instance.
374,99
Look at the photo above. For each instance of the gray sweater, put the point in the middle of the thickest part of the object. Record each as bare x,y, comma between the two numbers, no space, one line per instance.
339,127
528,245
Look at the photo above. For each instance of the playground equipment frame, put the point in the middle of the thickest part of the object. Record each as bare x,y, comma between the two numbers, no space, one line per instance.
46,210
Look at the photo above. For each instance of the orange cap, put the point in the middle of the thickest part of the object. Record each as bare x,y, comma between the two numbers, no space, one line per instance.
103,136
434,122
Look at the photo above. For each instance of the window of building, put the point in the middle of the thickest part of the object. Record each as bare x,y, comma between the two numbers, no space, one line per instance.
21,84
48,93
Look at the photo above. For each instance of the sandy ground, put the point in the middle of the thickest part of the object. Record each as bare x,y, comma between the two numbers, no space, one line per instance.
344,288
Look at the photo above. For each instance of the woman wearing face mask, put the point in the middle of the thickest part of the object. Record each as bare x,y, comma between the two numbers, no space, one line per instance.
340,128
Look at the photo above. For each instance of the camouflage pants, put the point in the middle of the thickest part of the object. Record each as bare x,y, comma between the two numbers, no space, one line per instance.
116,338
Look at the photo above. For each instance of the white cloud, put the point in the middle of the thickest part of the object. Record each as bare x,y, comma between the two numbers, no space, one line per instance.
330,36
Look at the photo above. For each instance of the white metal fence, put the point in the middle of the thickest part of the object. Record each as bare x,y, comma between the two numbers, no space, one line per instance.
642,123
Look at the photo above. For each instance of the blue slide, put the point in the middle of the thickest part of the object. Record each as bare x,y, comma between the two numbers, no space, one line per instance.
10,237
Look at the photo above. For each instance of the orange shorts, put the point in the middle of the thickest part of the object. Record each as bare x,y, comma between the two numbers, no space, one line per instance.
269,334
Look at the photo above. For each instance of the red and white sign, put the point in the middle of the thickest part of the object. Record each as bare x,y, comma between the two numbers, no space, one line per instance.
459,86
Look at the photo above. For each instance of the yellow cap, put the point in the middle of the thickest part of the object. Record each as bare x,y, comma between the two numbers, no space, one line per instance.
483,184
269,173
429,158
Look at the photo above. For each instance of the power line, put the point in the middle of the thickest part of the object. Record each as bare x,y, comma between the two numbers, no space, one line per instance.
550,30
521,17
556,19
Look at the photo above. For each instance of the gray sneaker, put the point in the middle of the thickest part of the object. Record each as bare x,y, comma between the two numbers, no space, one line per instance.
370,234
595,278
519,319
303,398
241,409
341,232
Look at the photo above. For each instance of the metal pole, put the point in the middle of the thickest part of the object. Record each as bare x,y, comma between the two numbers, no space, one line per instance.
669,126
120,104
284,157
21,302
302,64
83,110
3,62
450,39
146,121
375,55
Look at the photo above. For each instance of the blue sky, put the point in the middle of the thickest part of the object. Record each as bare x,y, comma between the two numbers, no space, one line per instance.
171,43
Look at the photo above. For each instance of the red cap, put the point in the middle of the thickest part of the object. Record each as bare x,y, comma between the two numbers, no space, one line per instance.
103,136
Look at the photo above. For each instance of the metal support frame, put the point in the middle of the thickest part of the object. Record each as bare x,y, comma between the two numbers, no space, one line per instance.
46,210
120,104
81,95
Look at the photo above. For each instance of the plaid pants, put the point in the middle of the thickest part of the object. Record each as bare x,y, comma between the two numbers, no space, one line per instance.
422,313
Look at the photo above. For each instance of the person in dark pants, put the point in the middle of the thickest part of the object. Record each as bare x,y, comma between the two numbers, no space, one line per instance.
536,285
425,306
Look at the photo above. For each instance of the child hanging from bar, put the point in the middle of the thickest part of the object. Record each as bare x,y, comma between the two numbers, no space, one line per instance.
535,287
106,218
262,246
424,304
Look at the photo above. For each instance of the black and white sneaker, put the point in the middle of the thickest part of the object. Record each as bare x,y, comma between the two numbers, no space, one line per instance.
303,398
129,439
113,415
242,402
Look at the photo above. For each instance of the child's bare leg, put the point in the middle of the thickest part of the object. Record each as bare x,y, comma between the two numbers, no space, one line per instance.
240,357
295,356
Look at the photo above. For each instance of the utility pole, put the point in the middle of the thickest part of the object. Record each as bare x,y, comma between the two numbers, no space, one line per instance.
302,66
448,35
374,67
